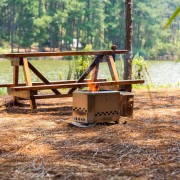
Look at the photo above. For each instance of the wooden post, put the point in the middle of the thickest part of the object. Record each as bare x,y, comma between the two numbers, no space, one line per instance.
94,74
15,81
128,42
29,83
112,68
113,71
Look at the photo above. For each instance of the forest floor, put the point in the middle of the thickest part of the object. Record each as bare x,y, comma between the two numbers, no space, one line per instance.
43,145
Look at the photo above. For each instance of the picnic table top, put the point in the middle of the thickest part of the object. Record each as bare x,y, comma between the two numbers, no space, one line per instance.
63,53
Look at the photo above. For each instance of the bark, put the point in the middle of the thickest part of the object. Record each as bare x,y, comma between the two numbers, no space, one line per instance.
88,19
40,8
128,40
12,26
51,39
78,36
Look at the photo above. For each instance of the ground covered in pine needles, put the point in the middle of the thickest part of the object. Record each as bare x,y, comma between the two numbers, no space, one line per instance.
43,145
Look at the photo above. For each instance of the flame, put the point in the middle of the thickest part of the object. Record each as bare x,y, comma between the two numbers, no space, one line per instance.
93,87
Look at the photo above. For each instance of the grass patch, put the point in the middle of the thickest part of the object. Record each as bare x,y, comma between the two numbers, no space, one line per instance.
3,91
154,86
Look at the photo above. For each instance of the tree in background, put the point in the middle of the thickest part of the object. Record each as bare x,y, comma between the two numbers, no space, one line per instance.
55,24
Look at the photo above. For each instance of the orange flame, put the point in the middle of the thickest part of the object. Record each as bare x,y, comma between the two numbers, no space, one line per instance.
93,87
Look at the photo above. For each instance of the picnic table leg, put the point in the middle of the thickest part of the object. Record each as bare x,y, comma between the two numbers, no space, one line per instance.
113,69
15,82
86,73
29,83
94,75
38,74
95,72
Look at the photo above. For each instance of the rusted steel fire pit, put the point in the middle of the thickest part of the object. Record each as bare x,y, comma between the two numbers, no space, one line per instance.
96,107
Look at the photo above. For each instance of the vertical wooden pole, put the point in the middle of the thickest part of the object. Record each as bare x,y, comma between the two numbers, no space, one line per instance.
112,68
113,71
15,81
128,42
94,74
29,83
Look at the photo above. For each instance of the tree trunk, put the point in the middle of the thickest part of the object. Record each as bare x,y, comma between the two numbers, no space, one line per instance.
51,39
19,39
12,26
128,42
40,11
77,37
88,21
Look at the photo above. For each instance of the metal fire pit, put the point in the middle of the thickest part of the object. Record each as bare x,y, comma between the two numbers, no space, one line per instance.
96,107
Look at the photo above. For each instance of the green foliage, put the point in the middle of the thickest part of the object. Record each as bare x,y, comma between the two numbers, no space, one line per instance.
56,23
81,63
140,68
154,86
2,91
60,75
70,70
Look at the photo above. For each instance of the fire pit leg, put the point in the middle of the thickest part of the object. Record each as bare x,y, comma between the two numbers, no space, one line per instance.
117,122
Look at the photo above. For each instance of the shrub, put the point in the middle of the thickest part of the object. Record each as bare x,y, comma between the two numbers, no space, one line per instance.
81,63
140,68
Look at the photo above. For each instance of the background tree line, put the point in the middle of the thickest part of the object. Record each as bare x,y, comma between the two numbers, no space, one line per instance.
55,23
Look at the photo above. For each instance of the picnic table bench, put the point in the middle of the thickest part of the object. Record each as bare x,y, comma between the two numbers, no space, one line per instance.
30,90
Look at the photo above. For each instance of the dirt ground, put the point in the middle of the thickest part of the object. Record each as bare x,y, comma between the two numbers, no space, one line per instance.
42,145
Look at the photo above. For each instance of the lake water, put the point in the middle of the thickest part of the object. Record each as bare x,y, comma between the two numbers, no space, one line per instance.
162,72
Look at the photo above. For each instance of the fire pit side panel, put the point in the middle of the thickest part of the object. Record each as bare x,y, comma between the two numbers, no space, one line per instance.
107,106
96,107
91,108
80,107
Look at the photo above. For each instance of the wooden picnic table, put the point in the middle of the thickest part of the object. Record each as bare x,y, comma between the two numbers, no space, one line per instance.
30,90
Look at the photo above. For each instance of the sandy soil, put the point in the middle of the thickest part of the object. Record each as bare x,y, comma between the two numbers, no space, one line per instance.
42,145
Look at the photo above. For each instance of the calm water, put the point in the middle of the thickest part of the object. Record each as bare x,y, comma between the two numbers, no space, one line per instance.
162,72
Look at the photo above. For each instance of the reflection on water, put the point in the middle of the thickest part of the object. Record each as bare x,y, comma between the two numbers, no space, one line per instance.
162,72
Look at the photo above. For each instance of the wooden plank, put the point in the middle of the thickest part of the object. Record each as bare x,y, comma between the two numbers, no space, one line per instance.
64,53
47,96
86,73
52,82
41,77
29,83
77,85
